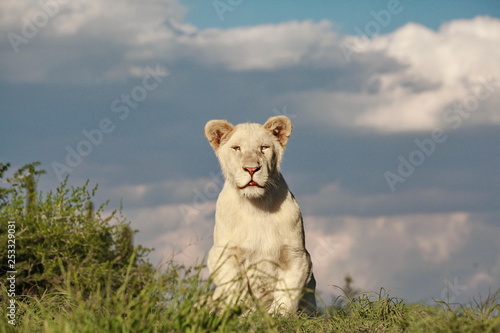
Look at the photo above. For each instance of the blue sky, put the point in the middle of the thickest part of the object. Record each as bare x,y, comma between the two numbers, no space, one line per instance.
345,14
394,155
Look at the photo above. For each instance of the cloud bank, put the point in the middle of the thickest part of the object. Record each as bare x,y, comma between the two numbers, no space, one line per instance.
408,80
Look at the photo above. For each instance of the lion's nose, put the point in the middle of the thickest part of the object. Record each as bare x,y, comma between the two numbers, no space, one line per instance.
251,171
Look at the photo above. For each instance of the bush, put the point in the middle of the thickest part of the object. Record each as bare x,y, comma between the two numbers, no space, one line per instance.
59,232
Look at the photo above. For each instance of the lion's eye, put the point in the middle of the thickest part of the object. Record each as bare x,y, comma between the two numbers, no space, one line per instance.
263,148
236,148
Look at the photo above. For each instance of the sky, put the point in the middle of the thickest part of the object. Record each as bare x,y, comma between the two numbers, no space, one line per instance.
394,154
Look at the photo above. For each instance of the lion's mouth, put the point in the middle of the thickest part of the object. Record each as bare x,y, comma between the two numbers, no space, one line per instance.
251,183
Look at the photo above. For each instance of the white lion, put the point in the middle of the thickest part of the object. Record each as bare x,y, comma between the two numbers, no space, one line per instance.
259,247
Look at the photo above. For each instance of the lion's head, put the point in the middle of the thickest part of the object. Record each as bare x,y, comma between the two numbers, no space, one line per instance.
250,154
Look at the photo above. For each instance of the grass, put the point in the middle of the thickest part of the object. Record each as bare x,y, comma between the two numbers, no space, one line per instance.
169,302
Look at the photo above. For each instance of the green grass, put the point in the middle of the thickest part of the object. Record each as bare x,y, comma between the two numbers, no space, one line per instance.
170,302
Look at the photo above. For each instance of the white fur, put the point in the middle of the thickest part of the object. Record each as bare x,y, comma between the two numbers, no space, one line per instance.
259,248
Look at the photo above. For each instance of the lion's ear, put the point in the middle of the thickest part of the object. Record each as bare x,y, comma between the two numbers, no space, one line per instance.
281,127
216,131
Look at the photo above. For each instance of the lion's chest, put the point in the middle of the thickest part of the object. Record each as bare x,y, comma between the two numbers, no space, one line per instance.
259,233
262,233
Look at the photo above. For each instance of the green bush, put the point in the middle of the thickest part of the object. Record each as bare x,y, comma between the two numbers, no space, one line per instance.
59,232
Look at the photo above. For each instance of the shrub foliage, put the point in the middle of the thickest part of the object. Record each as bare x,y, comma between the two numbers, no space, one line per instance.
60,232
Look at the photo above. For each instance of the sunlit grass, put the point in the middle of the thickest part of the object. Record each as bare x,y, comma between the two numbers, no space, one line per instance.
170,302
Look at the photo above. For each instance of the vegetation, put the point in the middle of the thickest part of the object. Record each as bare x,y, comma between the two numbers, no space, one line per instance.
78,271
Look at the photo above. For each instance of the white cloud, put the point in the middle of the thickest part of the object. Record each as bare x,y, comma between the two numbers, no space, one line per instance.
456,65
388,251
442,68
403,81
175,217
264,47
65,17
481,278
437,69
86,41
444,236
165,229
155,31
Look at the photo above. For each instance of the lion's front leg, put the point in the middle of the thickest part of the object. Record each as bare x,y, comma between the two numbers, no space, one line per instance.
225,266
293,277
